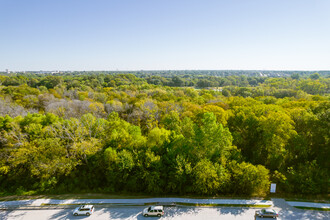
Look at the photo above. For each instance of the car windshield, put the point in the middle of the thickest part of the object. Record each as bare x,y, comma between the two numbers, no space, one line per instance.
149,208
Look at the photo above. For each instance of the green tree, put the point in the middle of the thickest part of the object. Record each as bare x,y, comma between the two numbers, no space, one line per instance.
249,179
211,138
206,178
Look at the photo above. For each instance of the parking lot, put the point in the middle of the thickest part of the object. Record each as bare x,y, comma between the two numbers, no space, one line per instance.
135,212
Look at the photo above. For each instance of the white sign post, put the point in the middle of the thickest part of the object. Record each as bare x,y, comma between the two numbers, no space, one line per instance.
273,187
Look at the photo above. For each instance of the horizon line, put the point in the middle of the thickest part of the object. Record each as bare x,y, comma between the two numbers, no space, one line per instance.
134,70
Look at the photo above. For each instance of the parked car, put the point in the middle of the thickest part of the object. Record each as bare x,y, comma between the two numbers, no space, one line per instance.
84,210
153,211
266,213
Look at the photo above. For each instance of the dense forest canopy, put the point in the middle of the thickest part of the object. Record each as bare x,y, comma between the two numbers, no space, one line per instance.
165,132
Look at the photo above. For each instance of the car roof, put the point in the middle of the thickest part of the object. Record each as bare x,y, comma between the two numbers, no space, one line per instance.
157,207
269,210
87,206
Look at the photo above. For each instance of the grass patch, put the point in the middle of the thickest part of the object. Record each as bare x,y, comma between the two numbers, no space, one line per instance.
73,196
306,200
49,204
97,195
95,204
151,203
156,203
319,198
223,205
312,208
28,196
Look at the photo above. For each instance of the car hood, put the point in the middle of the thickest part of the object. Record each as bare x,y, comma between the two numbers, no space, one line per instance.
145,210
76,209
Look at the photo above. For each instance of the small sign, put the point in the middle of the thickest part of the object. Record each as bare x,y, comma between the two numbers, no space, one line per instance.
273,187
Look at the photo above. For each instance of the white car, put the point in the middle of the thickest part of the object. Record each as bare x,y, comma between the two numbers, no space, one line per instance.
153,211
84,210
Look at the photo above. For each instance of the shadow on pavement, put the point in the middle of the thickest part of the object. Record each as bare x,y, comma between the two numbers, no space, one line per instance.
5,214
140,217
175,211
290,213
67,214
232,210
122,213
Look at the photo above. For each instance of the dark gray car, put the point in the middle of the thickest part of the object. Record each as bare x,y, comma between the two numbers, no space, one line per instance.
266,213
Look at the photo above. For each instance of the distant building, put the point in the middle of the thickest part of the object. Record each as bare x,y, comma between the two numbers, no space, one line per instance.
49,72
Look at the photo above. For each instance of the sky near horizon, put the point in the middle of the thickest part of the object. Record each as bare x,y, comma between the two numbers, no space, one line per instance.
164,34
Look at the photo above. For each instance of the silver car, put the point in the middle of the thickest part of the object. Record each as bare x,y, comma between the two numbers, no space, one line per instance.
84,210
266,213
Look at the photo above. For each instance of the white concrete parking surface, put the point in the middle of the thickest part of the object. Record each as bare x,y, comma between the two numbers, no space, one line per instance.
182,213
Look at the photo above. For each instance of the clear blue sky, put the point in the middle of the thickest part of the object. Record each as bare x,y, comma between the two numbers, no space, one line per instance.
164,34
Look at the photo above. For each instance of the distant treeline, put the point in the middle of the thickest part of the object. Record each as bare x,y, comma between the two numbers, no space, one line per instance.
312,83
191,133
185,73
